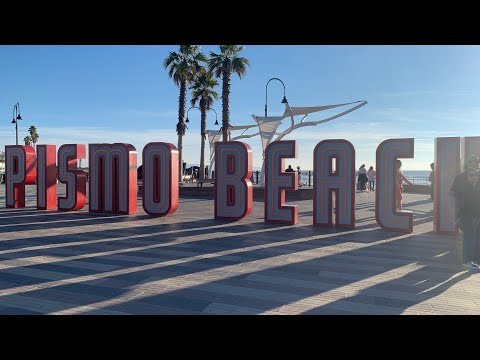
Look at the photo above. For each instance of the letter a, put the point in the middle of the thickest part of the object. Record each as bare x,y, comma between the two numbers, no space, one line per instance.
338,179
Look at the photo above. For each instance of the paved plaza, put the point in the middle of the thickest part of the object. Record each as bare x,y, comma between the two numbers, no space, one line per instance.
188,263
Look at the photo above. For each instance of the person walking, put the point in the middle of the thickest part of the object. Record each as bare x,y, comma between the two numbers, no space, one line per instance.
362,178
399,179
470,219
371,175
299,177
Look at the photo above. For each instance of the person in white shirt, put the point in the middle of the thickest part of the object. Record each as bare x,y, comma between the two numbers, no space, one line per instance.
371,175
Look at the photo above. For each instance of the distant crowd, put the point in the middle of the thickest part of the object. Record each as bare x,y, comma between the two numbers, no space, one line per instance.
365,177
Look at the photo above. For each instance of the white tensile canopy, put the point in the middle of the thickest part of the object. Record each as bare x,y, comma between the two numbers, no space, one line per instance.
268,126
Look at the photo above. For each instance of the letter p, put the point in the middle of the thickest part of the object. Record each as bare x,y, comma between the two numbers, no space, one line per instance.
20,170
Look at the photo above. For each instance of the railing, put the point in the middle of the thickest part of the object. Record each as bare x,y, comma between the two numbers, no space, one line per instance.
255,179
418,180
308,181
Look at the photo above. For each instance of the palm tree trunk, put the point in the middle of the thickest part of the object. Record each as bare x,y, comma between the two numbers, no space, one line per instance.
203,129
225,103
181,116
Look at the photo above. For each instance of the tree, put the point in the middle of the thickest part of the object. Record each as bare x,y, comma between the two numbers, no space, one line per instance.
222,66
182,67
27,140
33,135
203,93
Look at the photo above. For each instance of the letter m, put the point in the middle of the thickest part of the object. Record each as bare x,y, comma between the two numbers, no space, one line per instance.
113,178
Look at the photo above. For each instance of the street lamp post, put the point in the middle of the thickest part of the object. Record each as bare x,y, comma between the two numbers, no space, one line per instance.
16,117
191,107
216,116
284,101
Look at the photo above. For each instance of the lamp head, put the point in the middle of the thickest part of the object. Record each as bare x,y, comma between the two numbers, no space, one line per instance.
19,117
216,122
284,101
14,121
187,120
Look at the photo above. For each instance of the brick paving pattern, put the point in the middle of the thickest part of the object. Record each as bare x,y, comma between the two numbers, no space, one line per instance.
188,263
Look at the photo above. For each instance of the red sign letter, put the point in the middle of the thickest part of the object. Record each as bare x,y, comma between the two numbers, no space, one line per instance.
233,188
113,178
20,170
160,178
386,213
447,166
470,145
46,177
277,181
75,180
339,179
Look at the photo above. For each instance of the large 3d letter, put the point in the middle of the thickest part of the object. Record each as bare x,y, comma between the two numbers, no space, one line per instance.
75,180
447,166
338,179
470,145
160,178
20,170
46,177
233,188
386,213
277,181
113,178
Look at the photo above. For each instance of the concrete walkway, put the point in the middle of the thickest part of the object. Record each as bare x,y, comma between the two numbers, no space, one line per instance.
188,263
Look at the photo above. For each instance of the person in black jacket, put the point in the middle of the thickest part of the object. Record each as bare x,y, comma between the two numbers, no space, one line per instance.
469,218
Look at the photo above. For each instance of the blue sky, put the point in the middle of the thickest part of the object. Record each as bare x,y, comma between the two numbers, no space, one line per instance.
87,94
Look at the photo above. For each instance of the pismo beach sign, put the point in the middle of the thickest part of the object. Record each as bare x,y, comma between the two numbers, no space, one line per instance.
113,180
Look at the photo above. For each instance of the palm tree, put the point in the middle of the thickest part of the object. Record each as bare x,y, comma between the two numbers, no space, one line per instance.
223,65
33,135
182,67
203,93
27,140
